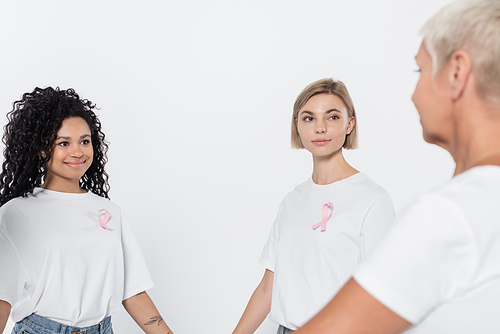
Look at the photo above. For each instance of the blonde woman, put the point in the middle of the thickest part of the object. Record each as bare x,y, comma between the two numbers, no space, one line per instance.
327,225
437,270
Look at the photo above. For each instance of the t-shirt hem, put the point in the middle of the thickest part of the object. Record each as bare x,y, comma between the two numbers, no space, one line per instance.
266,264
138,290
7,299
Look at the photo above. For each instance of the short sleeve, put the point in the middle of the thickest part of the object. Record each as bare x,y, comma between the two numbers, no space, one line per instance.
137,277
12,274
268,256
425,259
378,220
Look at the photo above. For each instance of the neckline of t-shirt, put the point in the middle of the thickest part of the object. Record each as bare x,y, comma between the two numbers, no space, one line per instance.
324,186
60,195
478,169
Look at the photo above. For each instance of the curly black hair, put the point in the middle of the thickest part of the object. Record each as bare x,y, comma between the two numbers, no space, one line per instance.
29,139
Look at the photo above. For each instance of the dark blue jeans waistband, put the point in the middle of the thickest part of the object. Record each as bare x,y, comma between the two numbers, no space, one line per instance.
45,325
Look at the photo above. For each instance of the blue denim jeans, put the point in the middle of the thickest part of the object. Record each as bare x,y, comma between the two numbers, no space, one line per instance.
35,324
283,330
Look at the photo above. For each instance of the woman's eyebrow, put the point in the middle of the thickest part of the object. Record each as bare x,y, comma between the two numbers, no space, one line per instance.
68,138
306,112
332,110
326,112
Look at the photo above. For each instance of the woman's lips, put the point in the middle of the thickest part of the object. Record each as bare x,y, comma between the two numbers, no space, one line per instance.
320,142
75,164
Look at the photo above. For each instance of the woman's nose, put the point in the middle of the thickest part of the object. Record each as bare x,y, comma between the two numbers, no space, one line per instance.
320,127
75,151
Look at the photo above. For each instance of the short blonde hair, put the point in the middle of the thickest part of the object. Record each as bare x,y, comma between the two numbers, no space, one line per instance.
325,86
472,26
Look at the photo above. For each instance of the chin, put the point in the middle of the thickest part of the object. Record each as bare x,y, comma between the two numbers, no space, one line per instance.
324,154
434,139
427,138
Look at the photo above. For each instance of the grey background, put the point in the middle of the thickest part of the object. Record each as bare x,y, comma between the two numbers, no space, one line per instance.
196,101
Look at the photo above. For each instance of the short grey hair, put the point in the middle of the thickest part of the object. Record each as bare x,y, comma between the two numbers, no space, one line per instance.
472,26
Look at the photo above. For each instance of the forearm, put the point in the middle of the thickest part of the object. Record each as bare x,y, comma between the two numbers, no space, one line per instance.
4,314
353,310
142,309
258,306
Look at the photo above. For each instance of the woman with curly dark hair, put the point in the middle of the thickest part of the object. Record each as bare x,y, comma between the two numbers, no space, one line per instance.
68,254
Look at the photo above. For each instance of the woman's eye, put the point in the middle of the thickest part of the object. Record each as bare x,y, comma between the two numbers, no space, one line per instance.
334,117
85,142
308,119
63,143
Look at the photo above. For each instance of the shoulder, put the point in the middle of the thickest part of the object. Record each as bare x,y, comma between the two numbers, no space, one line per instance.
471,198
476,190
481,181
16,213
435,217
102,200
363,182
15,206
366,191
299,191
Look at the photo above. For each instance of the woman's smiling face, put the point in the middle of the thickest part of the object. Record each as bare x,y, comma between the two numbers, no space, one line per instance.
72,153
323,124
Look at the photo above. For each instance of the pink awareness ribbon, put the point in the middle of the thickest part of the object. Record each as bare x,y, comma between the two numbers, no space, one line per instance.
325,217
104,220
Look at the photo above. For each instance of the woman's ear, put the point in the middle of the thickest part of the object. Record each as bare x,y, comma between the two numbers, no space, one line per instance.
350,125
460,69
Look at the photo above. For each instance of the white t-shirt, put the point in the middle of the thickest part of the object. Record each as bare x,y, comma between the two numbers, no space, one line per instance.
58,262
309,265
439,267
